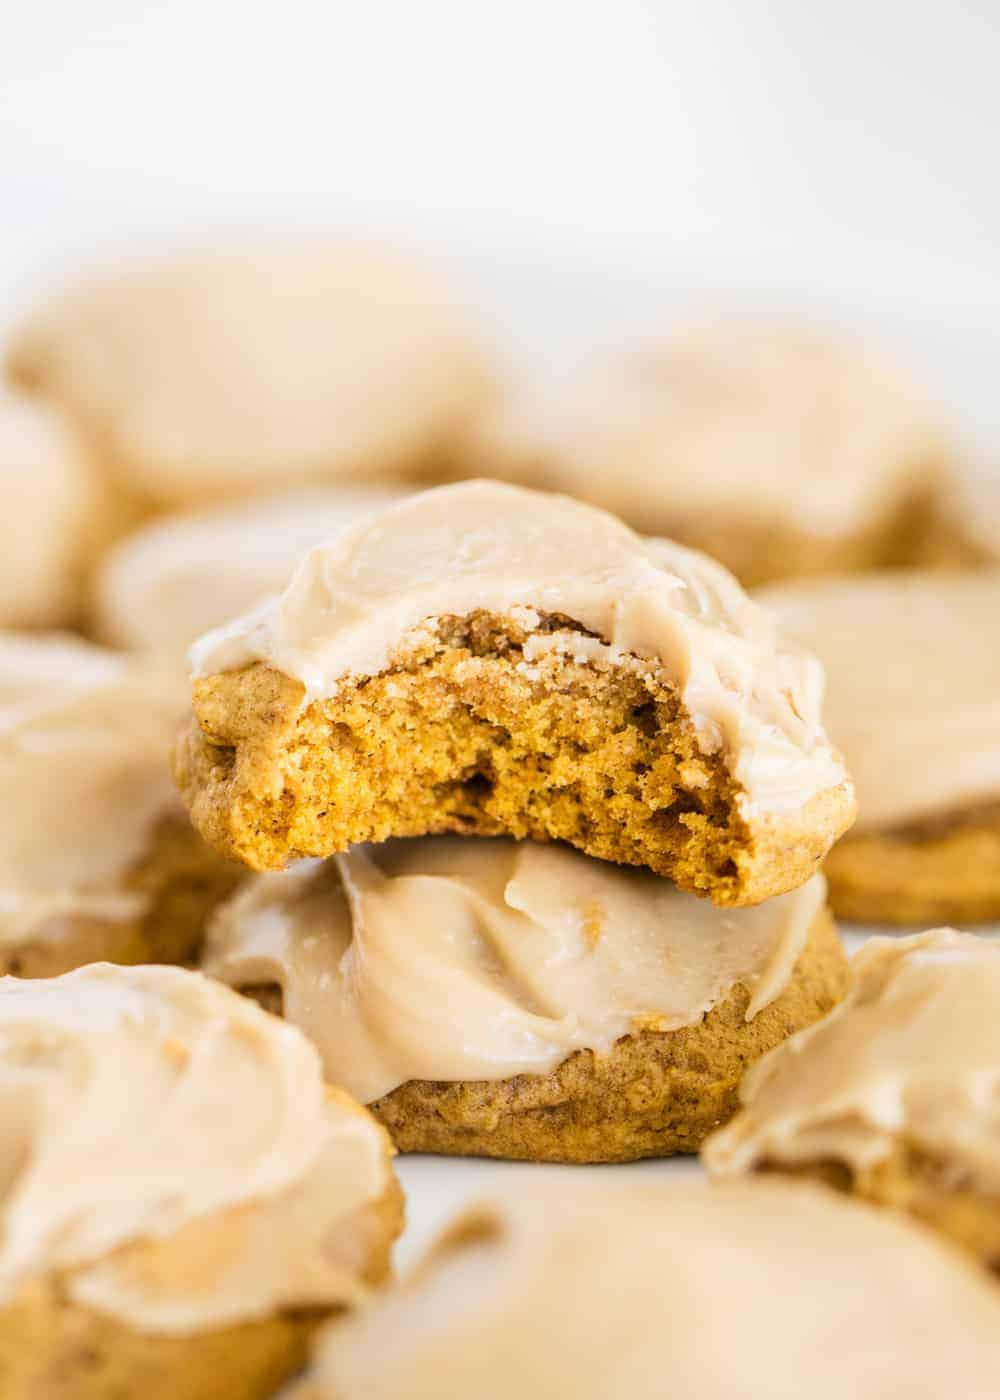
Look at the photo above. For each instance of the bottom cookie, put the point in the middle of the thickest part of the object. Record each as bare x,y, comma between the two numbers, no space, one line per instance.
946,870
655,1094
497,999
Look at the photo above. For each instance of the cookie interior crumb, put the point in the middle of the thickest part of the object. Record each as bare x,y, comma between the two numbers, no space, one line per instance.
467,735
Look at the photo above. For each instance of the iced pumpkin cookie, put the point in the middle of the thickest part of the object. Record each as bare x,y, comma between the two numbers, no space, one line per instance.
749,1290
98,859
210,374
893,1096
183,1200
499,999
48,511
966,529
488,660
913,700
169,582
776,446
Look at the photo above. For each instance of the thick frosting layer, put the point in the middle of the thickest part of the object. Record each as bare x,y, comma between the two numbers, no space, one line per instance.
911,1054
84,736
172,1151
165,585
204,372
46,504
738,420
536,951
913,685
750,1289
355,602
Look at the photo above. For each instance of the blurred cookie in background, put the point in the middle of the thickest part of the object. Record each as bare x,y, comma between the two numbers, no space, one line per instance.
779,447
184,1200
966,530
48,519
912,664
747,1289
209,374
97,857
165,585
893,1096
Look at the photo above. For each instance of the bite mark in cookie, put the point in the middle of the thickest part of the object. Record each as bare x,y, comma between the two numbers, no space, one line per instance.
487,660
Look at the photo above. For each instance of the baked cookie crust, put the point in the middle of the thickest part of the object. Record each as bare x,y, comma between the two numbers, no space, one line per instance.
464,736
944,870
54,1348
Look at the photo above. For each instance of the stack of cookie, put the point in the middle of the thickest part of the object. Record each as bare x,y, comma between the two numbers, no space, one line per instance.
642,762
522,823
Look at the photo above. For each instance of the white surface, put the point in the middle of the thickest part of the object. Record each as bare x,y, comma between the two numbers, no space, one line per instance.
437,1187
771,123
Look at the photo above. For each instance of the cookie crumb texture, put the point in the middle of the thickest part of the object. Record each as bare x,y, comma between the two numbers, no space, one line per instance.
941,871
466,735
655,1094
180,880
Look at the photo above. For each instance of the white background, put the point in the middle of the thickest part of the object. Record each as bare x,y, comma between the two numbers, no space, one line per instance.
592,164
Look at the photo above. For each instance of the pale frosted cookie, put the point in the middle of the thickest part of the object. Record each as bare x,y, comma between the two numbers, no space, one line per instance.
163,586
751,1290
183,1197
504,999
894,1096
47,519
488,660
966,529
913,701
207,374
97,856
776,446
